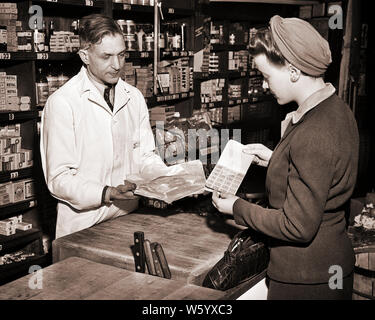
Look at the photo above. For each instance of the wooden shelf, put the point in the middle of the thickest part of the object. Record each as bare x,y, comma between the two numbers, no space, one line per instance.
27,56
167,11
81,3
294,2
15,241
16,174
13,208
13,116
159,99
13,271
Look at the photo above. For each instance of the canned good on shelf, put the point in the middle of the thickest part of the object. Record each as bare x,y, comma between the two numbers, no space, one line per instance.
128,27
130,42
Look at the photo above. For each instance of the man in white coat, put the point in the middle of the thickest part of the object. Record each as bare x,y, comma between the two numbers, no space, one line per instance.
95,132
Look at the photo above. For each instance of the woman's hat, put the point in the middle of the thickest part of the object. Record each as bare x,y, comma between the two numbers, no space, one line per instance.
301,44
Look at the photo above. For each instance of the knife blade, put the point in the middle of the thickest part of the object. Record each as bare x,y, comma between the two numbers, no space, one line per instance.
163,261
149,259
139,257
158,270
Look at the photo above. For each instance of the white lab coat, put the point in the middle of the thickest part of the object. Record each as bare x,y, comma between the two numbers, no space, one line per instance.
85,146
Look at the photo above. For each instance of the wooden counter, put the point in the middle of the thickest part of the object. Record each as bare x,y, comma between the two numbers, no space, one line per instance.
192,244
80,279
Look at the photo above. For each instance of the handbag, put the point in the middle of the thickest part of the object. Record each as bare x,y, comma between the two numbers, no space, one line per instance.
247,255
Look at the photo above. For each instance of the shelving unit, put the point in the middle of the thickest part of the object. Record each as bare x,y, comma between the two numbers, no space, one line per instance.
40,209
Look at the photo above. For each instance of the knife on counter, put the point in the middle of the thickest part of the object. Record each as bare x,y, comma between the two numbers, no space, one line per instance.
149,259
139,257
163,261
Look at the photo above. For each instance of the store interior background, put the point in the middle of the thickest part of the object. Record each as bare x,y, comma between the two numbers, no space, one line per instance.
352,52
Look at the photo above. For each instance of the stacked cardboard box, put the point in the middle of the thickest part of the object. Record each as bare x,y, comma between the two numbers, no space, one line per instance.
144,81
18,191
8,22
13,156
64,41
10,225
238,60
162,113
216,115
212,90
184,69
234,114
9,99
128,73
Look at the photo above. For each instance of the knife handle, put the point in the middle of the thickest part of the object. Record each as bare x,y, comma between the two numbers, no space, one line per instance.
158,270
139,257
163,261
149,259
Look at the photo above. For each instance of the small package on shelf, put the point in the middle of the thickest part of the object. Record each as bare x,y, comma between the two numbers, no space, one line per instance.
5,191
7,227
18,192
29,187
23,226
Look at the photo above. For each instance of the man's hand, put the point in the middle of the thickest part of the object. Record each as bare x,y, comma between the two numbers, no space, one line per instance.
262,154
223,202
123,191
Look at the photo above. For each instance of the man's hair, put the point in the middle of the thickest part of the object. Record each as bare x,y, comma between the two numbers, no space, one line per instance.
94,27
262,43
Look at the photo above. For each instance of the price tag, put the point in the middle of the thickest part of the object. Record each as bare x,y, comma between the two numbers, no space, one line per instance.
32,203
174,54
191,94
127,6
42,56
89,3
184,95
11,116
170,10
51,0
145,54
14,175
231,102
238,101
158,99
5,56
211,104
245,100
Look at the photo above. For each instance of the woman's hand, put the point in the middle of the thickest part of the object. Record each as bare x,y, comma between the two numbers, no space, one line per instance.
262,154
223,202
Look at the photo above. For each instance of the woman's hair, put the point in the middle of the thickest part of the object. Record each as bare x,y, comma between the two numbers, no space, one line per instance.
262,43
94,27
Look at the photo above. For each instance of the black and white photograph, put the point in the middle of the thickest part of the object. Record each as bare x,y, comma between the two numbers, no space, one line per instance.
186,158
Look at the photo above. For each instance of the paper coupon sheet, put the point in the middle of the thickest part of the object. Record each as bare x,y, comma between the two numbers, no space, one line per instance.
231,168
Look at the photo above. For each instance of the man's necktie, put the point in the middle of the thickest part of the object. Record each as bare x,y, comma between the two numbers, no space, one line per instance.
106,97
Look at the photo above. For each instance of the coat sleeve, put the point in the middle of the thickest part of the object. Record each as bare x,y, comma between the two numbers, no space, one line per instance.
60,159
152,165
310,174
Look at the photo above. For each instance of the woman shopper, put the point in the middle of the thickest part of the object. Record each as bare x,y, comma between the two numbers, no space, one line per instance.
311,172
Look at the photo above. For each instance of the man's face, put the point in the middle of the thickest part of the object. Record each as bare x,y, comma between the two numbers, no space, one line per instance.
106,59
